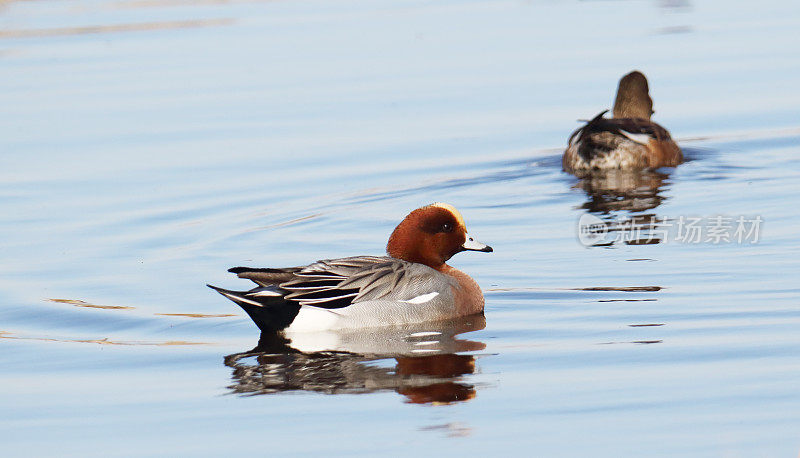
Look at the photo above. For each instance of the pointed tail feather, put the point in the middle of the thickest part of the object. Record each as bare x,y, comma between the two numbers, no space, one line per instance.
270,313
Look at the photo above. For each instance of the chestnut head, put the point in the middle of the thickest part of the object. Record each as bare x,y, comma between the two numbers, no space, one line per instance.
431,235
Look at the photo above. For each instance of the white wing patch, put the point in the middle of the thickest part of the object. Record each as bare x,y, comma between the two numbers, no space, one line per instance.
641,139
425,334
422,299
265,292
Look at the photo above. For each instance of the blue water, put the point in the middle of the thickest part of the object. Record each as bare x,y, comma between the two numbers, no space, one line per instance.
150,145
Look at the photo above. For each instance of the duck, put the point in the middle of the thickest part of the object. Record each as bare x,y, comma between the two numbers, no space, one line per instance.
629,140
413,284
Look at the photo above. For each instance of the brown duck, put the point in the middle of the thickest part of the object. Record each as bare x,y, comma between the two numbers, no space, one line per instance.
629,140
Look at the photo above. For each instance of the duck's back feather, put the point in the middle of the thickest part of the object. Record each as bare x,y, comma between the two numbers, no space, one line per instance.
345,287
611,143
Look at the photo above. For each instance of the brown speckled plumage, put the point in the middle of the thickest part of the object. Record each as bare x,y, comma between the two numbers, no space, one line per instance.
629,140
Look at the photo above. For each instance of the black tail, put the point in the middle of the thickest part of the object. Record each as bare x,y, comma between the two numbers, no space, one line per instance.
265,277
269,313
239,270
588,147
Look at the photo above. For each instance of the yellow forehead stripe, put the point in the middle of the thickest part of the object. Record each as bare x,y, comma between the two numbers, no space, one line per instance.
452,210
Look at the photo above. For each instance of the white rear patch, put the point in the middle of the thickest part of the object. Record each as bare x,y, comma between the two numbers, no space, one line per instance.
422,299
311,318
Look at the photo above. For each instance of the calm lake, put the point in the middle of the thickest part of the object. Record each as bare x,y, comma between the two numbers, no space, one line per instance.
149,145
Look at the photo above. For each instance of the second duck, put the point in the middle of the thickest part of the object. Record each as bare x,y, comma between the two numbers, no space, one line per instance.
629,140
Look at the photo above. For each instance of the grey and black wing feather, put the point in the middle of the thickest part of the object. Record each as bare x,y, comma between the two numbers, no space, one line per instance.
635,129
330,284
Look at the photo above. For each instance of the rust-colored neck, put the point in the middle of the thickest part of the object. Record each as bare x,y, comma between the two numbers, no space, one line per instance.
402,246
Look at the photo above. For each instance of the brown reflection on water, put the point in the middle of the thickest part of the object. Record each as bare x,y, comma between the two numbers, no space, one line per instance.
101,341
636,342
674,5
135,4
93,29
610,193
419,362
615,190
80,303
627,300
626,289
452,429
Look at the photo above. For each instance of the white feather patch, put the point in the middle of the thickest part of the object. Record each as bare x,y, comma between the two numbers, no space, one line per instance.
425,334
642,139
422,299
241,298
311,318
265,292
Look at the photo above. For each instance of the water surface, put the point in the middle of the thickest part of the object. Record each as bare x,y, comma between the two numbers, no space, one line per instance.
150,145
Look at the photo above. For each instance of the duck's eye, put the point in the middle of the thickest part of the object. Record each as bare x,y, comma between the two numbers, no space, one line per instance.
447,227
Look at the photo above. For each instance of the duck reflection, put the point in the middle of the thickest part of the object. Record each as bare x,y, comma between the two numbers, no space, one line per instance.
617,190
609,193
421,362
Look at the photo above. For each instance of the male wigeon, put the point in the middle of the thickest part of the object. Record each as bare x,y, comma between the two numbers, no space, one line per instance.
411,285
629,140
